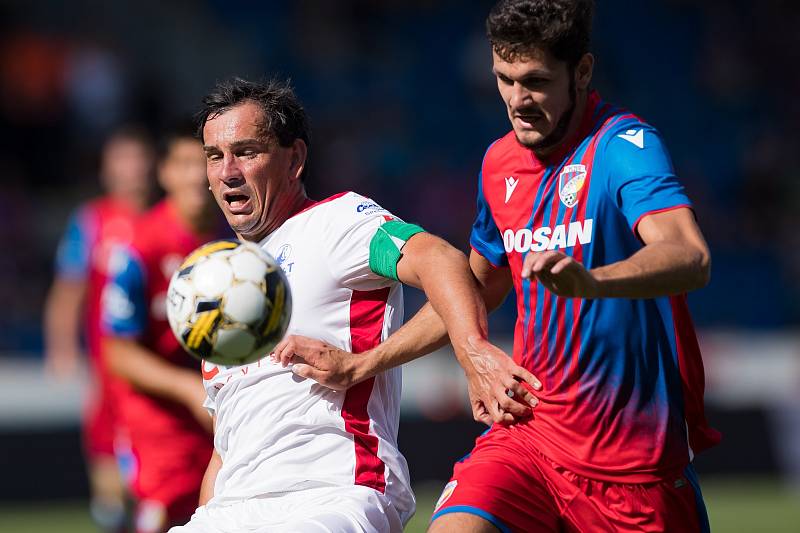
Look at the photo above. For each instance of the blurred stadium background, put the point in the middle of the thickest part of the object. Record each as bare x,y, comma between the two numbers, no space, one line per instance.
403,106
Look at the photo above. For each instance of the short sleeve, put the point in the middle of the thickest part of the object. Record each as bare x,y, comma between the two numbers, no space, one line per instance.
641,179
485,237
356,220
124,301
74,249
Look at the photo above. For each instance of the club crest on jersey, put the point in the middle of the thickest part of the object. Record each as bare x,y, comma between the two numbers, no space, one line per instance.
448,491
570,183
282,258
283,254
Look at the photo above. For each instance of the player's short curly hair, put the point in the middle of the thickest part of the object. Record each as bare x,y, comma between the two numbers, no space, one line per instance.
284,117
562,27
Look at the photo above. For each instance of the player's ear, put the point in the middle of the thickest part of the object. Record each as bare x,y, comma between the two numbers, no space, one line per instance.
583,71
298,158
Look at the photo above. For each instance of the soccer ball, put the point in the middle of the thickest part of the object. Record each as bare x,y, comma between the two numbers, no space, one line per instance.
229,303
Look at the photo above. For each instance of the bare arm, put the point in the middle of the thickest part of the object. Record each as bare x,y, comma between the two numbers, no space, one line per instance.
674,260
425,331
63,311
456,301
210,477
151,374
490,373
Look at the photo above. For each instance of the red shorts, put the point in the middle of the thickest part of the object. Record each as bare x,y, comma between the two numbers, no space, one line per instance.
101,418
510,484
166,478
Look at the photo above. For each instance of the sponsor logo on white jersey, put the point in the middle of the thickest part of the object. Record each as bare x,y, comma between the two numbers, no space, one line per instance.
369,208
570,183
635,137
511,184
547,238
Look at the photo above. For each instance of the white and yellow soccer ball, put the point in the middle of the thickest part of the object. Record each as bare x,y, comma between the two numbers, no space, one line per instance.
229,303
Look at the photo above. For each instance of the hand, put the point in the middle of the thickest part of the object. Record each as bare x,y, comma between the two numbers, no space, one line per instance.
496,385
317,360
560,274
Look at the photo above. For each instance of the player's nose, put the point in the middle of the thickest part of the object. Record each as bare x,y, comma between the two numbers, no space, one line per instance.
231,172
520,97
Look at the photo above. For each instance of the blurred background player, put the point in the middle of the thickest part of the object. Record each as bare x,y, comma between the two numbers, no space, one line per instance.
72,308
162,403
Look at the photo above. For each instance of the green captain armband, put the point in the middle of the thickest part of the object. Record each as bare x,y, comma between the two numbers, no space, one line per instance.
386,245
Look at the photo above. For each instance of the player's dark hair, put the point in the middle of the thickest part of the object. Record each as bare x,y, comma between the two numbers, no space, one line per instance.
562,27
284,118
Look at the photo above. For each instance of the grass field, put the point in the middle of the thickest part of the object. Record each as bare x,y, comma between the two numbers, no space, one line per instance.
735,505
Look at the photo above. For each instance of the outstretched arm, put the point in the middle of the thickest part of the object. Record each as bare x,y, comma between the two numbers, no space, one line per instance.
674,260
456,306
153,375
62,326
63,310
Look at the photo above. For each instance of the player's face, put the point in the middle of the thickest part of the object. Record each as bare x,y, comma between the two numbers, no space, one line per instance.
539,93
183,175
127,167
255,181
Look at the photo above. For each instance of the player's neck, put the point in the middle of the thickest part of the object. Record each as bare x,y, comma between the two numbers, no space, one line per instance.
280,211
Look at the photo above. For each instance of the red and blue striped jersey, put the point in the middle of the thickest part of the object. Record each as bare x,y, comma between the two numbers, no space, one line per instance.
84,254
623,379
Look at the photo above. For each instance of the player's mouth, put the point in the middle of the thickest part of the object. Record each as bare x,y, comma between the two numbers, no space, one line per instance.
528,121
238,202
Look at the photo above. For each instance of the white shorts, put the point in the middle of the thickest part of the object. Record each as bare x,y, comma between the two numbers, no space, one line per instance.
353,509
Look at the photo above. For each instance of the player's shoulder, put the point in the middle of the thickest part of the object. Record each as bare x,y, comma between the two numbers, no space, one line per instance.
108,207
126,262
345,209
90,210
619,131
627,146
500,151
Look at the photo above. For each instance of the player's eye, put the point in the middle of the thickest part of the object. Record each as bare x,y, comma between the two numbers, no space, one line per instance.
505,80
535,82
246,152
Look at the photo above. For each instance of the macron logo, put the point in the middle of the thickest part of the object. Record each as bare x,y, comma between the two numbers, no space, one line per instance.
635,137
511,184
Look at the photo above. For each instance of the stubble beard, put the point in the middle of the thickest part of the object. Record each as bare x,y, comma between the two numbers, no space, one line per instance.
558,134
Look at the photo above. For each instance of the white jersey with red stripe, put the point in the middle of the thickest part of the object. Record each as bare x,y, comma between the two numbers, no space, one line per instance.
278,433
